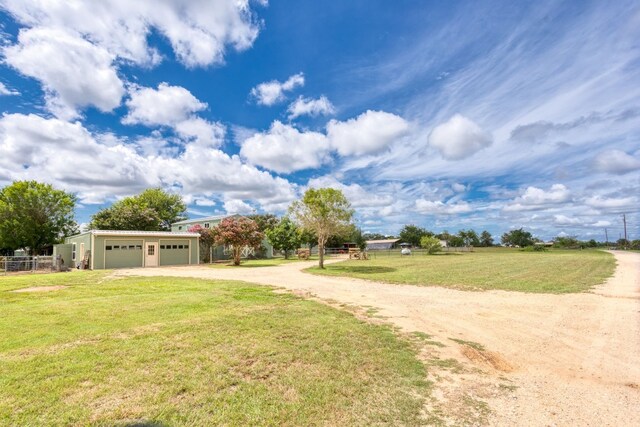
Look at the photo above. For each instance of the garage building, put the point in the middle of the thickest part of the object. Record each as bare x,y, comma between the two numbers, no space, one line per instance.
104,249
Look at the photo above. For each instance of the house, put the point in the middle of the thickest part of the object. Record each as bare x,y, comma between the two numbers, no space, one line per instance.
220,252
103,249
386,244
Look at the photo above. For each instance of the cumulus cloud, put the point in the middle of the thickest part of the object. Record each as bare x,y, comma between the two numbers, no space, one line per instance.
311,107
167,105
74,72
32,147
199,31
371,132
459,138
437,207
534,198
285,149
238,207
4,90
615,203
616,162
273,92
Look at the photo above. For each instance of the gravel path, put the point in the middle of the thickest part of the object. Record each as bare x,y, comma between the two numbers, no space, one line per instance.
549,359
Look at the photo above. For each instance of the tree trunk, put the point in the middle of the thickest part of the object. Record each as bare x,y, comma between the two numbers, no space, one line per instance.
236,256
321,254
286,254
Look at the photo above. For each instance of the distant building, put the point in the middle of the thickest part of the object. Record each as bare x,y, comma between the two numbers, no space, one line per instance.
376,245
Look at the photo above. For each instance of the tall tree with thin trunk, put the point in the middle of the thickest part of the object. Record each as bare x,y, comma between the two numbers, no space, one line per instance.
324,211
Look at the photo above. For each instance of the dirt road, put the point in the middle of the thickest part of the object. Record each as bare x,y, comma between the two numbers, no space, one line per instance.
545,359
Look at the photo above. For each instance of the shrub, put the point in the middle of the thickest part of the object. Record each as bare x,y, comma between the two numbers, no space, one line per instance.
431,244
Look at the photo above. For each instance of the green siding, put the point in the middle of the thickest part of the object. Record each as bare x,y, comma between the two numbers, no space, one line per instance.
78,240
64,250
124,253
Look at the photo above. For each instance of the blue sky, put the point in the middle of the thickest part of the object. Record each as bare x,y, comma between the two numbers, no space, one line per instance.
449,115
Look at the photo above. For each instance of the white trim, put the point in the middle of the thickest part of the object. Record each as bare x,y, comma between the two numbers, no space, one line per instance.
141,233
92,253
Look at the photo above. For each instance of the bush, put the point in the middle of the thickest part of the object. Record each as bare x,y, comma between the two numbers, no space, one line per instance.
431,244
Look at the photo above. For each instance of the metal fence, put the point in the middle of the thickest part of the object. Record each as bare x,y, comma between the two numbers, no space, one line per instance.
381,253
15,264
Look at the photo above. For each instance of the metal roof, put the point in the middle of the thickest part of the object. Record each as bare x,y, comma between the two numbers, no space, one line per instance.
141,233
204,219
369,242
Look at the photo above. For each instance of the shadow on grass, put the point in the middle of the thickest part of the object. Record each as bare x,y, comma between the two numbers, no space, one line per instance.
363,269
144,423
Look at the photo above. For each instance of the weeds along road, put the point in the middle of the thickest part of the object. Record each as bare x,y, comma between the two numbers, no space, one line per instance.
542,359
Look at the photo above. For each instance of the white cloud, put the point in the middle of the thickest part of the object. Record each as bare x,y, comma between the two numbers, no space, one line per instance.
600,202
371,132
32,147
201,131
359,196
199,31
4,90
273,92
167,105
430,207
312,107
74,72
565,220
458,188
537,198
601,223
459,138
238,207
285,149
616,162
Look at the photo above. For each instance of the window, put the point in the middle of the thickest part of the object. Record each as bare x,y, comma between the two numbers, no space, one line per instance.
151,250
180,246
179,228
161,246
175,246
116,247
139,247
108,247
206,225
132,247
73,252
123,247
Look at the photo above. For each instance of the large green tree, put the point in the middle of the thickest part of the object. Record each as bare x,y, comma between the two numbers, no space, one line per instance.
265,221
517,237
34,215
152,210
412,234
325,211
486,239
285,236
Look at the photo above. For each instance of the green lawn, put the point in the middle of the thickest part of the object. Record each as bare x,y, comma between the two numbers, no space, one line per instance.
165,351
251,263
554,271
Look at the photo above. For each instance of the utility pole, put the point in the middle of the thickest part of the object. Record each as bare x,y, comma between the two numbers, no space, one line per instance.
606,237
624,221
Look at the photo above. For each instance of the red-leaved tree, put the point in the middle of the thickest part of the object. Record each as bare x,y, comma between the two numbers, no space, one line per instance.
207,239
237,233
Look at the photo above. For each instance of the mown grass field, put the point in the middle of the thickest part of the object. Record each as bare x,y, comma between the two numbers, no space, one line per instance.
554,271
165,351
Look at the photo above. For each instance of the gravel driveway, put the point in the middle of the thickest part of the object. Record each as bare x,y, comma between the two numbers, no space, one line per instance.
570,359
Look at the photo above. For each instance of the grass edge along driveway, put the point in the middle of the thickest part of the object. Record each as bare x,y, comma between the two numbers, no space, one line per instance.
174,351
554,271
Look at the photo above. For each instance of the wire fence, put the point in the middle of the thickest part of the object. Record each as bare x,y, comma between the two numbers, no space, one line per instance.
17,264
383,253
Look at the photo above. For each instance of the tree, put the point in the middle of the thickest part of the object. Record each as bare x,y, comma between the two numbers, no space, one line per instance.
469,237
412,234
431,244
308,237
285,236
152,210
207,240
237,233
486,239
517,237
358,238
34,215
265,221
325,211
